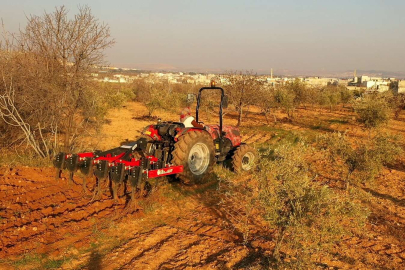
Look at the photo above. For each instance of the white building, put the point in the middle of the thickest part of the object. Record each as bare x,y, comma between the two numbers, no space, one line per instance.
401,87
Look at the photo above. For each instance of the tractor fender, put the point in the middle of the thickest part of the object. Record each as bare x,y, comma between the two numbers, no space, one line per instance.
186,130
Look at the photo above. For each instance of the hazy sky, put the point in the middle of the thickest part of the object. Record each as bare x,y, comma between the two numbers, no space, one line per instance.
307,35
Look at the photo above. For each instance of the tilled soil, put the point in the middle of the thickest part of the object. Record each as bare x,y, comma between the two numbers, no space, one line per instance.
38,213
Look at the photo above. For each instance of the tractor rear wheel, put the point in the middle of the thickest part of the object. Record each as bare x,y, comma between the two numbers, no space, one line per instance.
244,158
196,152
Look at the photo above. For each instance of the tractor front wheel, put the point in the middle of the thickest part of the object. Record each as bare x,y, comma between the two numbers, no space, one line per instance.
195,151
244,158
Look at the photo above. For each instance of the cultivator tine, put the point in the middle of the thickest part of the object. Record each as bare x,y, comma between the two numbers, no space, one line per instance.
84,185
101,170
71,164
58,173
70,178
117,174
115,190
134,175
86,169
59,164
101,173
133,191
96,191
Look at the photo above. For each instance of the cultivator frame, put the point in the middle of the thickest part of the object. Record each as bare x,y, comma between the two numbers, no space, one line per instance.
129,161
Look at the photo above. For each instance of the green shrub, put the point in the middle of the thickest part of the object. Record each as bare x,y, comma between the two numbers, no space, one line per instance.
346,96
365,158
372,111
160,95
307,217
26,157
115,97
285,99
329,96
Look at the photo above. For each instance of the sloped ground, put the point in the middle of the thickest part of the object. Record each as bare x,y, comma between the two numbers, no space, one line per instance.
49,224
42,216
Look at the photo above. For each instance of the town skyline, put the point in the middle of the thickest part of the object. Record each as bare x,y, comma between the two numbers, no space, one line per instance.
276,72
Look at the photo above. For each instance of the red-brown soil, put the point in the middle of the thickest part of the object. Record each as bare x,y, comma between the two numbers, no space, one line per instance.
40,214
179,227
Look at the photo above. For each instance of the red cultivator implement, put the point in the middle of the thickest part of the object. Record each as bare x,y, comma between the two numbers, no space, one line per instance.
168,148
128,162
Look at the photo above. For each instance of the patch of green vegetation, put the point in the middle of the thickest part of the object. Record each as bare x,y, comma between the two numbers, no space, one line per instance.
321,127
53,264
159,222
39,262
304,214
204,188
281,138
338,121
148,206
373,111
365,162
98,230
315,127
30,259
171,192
11,159
68,235
192,191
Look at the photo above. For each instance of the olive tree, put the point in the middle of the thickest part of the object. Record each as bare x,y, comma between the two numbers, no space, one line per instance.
284,97
242,89
366,160
266,102
373,111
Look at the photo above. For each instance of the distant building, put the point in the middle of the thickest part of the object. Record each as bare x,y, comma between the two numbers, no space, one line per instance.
401,87
370,83
316,81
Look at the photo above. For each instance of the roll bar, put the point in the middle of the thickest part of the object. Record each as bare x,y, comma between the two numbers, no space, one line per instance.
223,98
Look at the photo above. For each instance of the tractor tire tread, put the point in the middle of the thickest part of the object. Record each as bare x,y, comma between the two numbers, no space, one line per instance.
180,155
238,154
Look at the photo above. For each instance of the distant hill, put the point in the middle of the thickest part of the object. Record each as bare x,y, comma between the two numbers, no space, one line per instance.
340,74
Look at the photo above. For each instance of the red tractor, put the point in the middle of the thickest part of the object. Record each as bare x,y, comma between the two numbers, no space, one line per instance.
167,148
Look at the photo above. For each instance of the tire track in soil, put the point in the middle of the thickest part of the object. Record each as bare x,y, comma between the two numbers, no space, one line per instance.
256,138
264,138
253,139
247,136
187,250
173,247
37,213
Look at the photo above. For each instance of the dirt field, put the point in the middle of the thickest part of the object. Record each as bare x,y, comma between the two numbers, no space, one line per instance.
46,224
